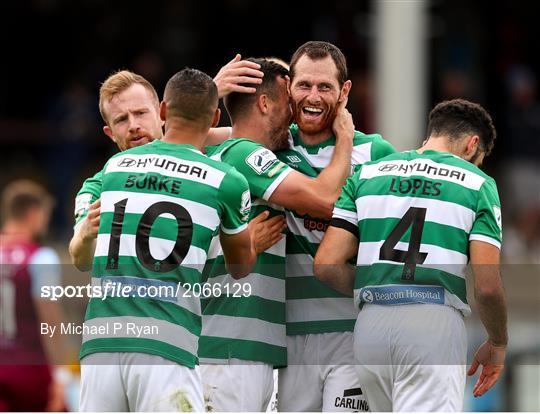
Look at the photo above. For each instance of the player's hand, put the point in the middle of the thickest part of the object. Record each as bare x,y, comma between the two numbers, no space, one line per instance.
91,221
265,232
238,72
343,125
491,357
57,399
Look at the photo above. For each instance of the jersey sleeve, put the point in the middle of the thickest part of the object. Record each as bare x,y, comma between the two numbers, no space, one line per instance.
262,169
487,226
344,214
44,270
234,202
381,148
89,192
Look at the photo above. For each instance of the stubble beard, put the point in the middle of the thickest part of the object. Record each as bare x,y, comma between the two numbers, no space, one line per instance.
279,138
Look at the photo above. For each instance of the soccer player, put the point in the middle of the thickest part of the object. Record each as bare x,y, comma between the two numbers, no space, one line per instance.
248,333
28,380
415,219
160,205
129,106
320,320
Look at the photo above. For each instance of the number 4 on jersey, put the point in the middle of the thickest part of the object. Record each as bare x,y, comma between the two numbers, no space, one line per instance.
414,217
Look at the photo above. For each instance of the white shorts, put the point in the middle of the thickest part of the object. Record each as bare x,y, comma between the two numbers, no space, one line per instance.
272,407
320,375
241,386
120,381
411,357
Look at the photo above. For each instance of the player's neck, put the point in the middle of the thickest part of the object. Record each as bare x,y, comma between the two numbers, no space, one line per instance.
252,131
13,231
184,133
435,144
315,138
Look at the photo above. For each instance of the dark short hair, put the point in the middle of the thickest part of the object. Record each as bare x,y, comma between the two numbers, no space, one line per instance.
459,117
22,195
192,95
317,50
238,104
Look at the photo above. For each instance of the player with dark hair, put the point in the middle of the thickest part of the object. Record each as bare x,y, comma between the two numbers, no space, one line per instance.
459,117
244,337
129,106
320,320
414,220
29,380
161,203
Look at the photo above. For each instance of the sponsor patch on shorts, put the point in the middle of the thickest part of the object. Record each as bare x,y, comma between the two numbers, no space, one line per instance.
402,294
353,399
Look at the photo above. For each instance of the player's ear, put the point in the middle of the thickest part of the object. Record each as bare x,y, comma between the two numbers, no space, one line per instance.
288,79
472,145
345,89
163,111
107,130
215,120
262,103
161,121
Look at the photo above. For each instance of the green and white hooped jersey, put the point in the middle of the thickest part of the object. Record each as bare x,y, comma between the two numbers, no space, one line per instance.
250,326
312,306
88,193
161,203
414,216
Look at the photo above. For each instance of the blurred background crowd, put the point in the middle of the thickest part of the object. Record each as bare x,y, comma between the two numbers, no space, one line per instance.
56,53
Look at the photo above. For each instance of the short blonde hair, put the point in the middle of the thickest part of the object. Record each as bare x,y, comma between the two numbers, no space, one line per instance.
119,82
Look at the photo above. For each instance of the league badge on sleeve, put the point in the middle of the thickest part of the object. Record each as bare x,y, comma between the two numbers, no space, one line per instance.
498,215
261,160
82,204
245,206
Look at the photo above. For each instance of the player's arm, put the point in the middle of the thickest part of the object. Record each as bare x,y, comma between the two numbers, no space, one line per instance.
265,232
55,348
87,212
316,196
83,243
236,76
491,304
235,202
484,249
489,291
44,269
239,255
330,265
340,242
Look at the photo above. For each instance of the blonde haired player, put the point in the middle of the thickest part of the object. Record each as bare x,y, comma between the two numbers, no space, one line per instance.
129,106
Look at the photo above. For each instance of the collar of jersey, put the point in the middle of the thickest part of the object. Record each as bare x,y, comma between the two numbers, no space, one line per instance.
430,151
298,140
172,145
